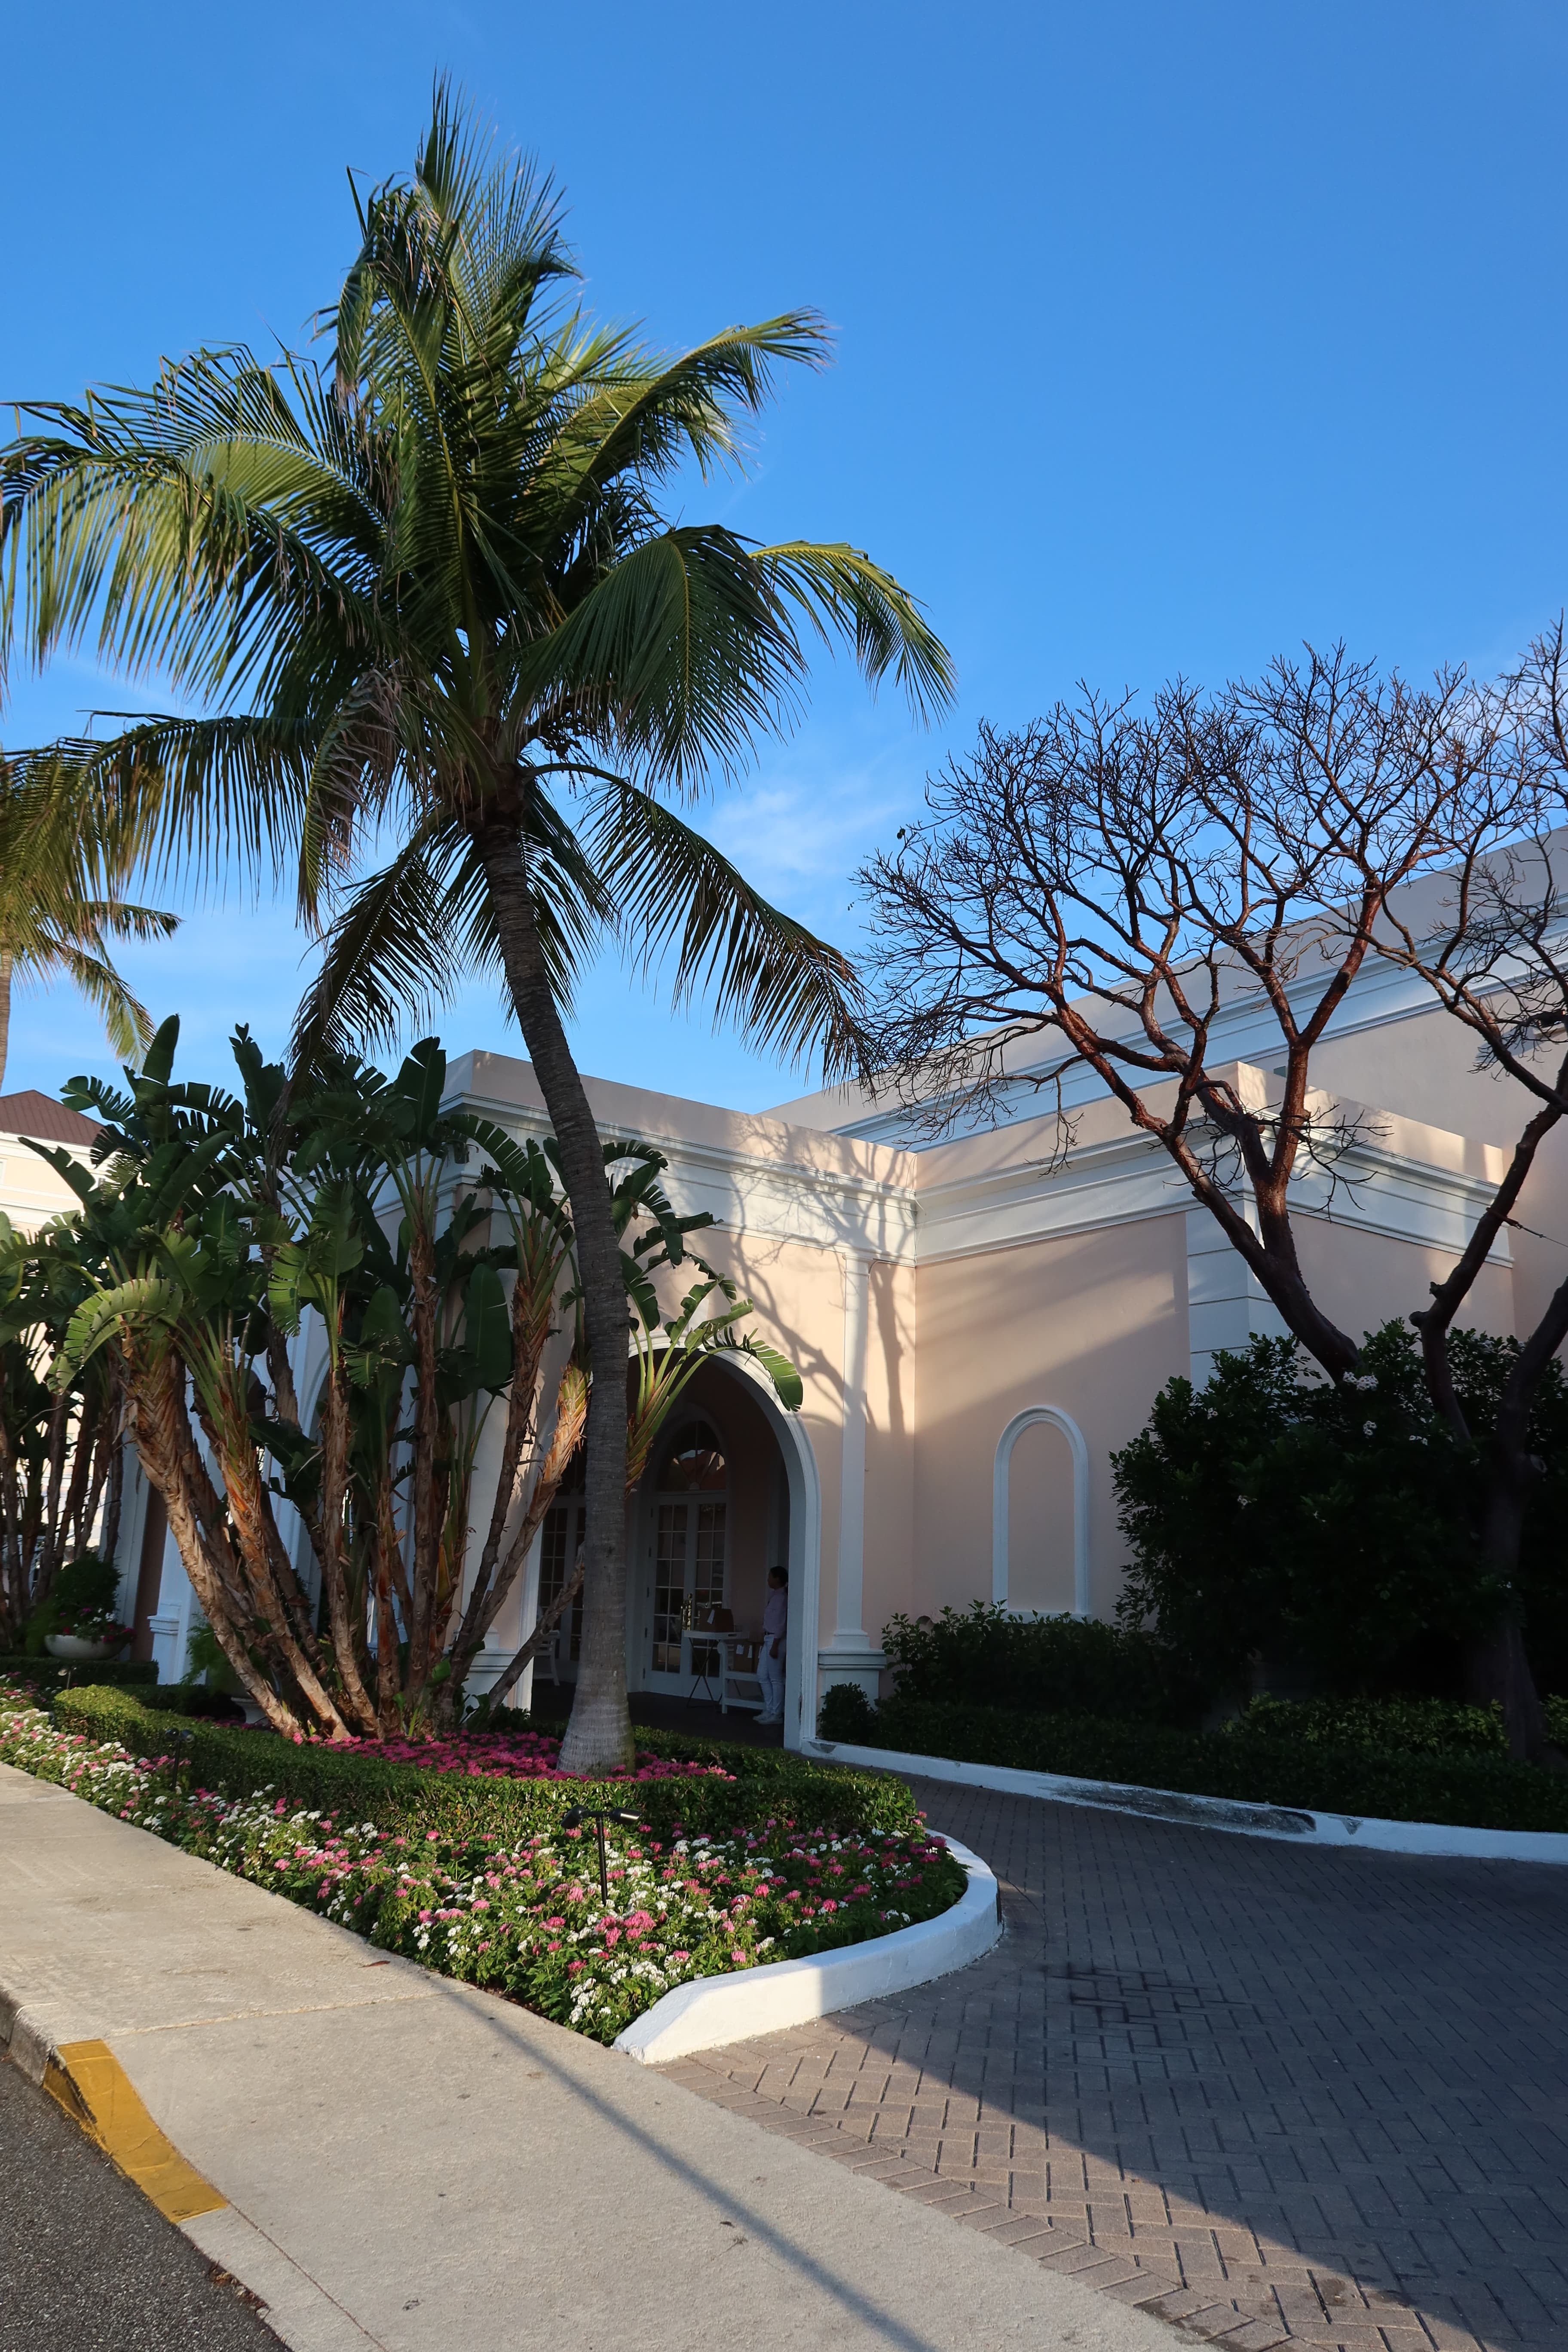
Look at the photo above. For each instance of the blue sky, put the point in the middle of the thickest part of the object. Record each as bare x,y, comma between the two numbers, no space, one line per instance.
1168,337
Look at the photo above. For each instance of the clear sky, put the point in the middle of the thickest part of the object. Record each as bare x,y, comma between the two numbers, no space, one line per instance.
1169,336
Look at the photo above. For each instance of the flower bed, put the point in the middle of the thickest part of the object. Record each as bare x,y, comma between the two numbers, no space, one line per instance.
524,1919
527,1756
360,1783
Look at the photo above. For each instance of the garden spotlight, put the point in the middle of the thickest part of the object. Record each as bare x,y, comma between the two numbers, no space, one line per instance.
575,1821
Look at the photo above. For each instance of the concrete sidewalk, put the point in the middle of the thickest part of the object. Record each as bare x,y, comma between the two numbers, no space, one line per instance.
414,2165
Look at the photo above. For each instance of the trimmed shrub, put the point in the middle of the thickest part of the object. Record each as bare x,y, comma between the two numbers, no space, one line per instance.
49,1675
1245,1761
846,1714
355,1784
1384,1727
981,1657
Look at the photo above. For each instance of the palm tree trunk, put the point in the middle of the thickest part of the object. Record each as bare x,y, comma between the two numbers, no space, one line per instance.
5,1009
599,1735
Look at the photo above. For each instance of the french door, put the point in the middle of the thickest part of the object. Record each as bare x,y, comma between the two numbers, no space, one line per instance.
684,1551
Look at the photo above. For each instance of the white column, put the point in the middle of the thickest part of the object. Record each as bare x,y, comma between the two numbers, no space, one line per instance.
1227,1304
848,1654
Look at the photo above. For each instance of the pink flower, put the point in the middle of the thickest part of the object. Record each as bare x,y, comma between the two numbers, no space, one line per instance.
738,1959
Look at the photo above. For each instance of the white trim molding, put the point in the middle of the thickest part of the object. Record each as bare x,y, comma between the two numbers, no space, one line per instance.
1053,1417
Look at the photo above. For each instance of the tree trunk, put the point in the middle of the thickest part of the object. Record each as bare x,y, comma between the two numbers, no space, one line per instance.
1499,1667
156,1410
5,1010
599,1735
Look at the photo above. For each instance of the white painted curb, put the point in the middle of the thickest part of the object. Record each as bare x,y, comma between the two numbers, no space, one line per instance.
1301,1828
711,2010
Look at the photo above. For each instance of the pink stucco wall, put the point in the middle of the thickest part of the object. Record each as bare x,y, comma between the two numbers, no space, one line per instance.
1093,1323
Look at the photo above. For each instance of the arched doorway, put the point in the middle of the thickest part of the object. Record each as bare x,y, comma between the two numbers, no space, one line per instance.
773,1515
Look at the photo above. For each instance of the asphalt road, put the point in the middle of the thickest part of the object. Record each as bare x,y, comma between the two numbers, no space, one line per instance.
86,2263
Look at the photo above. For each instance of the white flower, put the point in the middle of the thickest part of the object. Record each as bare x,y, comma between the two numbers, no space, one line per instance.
1369,1429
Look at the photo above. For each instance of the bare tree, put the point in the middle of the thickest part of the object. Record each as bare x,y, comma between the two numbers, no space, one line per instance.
1493,949
1131,889
1125,885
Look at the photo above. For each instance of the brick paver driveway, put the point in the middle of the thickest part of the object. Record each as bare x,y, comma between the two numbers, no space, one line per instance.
1276,2094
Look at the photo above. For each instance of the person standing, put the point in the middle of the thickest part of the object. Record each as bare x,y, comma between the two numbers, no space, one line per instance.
771,1649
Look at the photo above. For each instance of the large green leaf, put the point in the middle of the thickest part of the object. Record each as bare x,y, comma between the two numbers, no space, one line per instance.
487,1327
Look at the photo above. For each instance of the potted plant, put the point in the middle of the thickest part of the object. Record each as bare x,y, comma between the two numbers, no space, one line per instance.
77,1621
86,1636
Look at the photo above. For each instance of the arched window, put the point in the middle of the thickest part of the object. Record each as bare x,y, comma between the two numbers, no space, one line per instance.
1001,1500
695,1464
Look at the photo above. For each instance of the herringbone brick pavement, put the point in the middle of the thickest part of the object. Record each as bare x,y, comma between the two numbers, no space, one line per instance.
1274,2094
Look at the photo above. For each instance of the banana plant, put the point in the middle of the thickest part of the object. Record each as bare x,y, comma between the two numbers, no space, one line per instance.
61,1463
418,1263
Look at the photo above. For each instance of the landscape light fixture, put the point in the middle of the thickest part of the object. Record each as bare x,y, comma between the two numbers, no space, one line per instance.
575,1821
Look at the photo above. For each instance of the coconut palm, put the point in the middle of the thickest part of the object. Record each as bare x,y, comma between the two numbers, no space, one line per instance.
64,858
431,599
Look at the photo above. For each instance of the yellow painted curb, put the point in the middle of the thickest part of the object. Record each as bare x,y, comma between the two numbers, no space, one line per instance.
91,2084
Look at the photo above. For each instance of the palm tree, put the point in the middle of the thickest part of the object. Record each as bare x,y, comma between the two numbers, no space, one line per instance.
430,596
63,857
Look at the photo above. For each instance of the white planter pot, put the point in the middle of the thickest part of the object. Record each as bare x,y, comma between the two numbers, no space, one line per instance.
75,1652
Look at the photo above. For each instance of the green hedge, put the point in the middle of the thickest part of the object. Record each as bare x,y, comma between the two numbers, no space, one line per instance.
1475,1791
358,1786
984,1656
47,1675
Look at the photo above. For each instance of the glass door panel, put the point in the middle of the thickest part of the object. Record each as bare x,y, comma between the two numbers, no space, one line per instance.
683,1576
672,1543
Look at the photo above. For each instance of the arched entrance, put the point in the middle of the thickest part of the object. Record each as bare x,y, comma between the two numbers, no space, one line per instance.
732,1490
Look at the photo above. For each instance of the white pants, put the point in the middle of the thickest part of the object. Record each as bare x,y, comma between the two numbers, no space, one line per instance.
770,1674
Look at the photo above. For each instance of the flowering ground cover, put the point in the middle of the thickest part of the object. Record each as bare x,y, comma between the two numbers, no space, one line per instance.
526,1920
523,1755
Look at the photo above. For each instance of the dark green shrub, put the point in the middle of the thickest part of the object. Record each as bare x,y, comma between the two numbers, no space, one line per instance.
1335,1528
1241,1762
981,1657
1382,1726
49,1675
355,1784
846,1714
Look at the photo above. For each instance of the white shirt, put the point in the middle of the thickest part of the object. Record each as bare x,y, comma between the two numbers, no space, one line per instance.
776,1615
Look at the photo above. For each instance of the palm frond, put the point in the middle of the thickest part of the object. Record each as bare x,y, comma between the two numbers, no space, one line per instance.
782,986
844,595
127,1023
